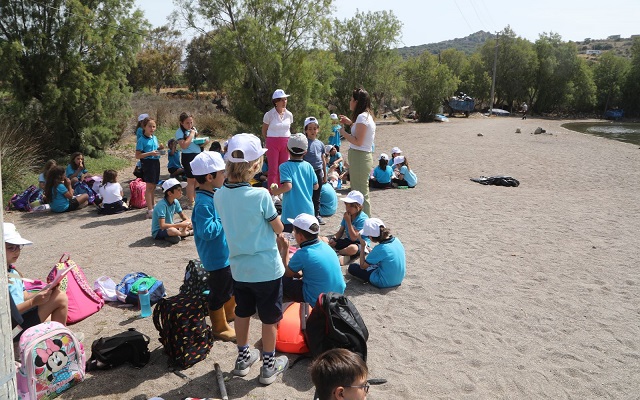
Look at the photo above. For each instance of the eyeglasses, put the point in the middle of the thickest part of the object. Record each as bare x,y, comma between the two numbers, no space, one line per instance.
364,387
14,247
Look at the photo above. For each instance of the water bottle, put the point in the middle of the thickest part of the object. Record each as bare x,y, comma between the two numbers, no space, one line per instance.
339,183
145,301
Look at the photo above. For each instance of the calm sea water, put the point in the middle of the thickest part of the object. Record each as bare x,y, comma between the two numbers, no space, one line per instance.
624,132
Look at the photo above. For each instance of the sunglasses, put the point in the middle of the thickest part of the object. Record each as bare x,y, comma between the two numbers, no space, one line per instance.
14,247
365,387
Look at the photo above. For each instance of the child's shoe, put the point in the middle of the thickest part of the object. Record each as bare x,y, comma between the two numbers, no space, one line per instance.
149,214
242,367
269,375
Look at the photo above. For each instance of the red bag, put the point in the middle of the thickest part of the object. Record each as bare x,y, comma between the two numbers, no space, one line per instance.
137,188
290,336
83,301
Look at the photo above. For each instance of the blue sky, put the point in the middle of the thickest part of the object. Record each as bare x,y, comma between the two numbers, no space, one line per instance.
426,21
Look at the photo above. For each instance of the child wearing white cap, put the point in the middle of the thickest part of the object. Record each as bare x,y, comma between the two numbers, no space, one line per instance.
382,174
406,177
276,128
315,156
251,223
385,265
352,222
162,225
315,264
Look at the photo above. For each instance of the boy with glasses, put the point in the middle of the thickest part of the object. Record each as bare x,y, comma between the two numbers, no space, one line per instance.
340,374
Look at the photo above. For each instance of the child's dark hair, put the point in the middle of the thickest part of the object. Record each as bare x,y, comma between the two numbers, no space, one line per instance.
54,177
382,164
171,189
215,146
183,117
48,165
308,235
72,160
296,152
109,176
336,367
146,121
385,234
202,179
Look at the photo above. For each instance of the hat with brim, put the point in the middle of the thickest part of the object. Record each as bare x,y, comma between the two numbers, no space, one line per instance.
306,222
11,235
248,144
207,162
398,160
141,117
298,143
279,94
354,197
372,227
171,182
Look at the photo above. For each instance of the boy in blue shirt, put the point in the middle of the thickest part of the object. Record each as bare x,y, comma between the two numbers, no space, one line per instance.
174,165
251,223
162,225
315,157
298,181
352,222
208,170
315,259
385,265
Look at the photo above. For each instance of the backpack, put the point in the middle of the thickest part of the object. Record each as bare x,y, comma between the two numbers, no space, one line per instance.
22,201
196,279
127,289
137,188
334,323
52,360
499,180
83,300
290,336
129,346
82,187
184,333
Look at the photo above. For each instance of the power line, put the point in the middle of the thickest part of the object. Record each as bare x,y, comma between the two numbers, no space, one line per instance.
463,17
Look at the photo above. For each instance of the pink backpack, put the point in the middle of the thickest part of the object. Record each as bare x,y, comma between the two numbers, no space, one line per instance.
83,301
137,188
52,360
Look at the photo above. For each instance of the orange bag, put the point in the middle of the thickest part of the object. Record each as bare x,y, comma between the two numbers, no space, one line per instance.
290,336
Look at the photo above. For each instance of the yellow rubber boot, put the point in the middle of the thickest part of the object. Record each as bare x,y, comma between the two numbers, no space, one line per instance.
230,309
220,326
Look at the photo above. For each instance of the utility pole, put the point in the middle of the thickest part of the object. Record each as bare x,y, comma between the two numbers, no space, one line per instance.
493,81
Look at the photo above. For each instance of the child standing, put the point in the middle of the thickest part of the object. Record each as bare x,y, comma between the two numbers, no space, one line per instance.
110,191
173,159
315,157
251,223
334,139
185,135
315,259
298,181
59,193
385,265
382,174
352,222
162,225
148,154
339,374
406,177
75,168
211,243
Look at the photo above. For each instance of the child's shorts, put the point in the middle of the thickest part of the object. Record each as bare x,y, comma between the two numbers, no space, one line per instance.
73,204
162,234
30,318
150,170
220,287
345,242
265,296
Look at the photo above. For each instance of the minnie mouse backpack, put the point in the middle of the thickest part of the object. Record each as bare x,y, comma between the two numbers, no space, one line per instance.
52,360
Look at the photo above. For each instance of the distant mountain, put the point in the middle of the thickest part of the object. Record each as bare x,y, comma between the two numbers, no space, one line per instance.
468,45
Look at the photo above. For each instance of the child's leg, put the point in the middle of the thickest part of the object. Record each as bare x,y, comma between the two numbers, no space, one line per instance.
355,270
350,250
57,307
315,196
269,332
148,195
83,200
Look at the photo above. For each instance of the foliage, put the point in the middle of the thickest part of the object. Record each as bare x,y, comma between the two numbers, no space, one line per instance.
609,76
468,45
158,63
200,64
428,82
64,64
582,89
476,79
20,159
631,89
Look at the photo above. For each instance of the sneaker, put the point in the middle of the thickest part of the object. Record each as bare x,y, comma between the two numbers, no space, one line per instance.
320,220
242,367
269,375
149,214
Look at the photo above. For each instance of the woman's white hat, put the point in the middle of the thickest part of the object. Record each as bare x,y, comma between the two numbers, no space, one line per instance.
279,94
11,235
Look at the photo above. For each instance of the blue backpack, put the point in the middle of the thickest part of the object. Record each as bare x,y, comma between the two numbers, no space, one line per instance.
83,187
127,289
22,201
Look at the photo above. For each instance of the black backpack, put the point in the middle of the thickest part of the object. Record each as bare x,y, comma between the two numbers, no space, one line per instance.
182,325
334,323
129,346
196,279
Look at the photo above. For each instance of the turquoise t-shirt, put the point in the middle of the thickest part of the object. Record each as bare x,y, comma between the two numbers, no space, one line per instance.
358,224
69,171
298,200
409,176
174,159
16,286
148,144
390,262
59,203
328,200
164,210
192,148
383,176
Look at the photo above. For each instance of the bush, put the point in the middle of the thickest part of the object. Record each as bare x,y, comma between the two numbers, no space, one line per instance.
20,160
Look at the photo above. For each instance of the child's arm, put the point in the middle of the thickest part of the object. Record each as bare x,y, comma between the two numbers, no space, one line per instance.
67,184
283,188
338,235
363,245
184,219
353,233
277,226
179,225
324,171
140,155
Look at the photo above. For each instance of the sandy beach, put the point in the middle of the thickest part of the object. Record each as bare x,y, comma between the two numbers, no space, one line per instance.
519,293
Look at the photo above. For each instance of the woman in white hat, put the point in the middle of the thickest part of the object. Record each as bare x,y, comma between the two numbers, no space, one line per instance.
276,129
34,308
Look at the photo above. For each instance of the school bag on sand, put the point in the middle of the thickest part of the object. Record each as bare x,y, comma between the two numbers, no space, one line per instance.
196,279
83,300
137,188
127,289
290,336
52,360
184,333
82,187
22,201
336,323
129,346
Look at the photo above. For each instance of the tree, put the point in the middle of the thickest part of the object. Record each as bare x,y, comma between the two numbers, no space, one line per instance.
582,90
65,65
200,64
158,63
631,90
609,76
428,82
476,80
362,46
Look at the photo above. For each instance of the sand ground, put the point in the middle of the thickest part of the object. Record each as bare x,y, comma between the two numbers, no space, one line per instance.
527,292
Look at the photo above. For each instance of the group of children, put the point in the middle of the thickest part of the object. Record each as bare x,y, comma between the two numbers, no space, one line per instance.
393,172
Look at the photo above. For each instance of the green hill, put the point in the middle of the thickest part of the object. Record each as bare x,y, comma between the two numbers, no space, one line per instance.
468,45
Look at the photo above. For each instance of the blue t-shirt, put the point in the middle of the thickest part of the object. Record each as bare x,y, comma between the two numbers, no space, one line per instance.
139,133
328,200
321,270
409,176
174,160
70,170
16,286
59,203
335,138
164,210
358,224
390,262
246,213
193,148
208,234
148,144
333,158
314,153
298,200
383,176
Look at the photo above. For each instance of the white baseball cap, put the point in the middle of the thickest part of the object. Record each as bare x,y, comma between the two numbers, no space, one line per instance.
248,144
354,197
11,235
310,120
279,94
396,150
334,116
298,140
398,160
372,227
306,222
142,117
207,162
171,182
328,148
384,156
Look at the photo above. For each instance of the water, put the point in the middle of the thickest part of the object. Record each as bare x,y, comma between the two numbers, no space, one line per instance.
624,132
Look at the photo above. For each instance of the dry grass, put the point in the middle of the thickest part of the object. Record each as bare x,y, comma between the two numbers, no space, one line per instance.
20,159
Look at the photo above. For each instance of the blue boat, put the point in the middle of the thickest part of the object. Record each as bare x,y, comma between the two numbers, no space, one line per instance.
614,114
461,106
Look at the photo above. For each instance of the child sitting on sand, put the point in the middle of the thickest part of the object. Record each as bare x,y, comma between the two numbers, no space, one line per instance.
110,191
382,174
385,265
162,225
352,222
406,177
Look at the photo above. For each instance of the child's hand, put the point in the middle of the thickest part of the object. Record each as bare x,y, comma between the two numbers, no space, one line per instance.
347,217
42,297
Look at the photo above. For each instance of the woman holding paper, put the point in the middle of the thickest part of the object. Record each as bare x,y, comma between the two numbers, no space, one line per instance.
38,307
